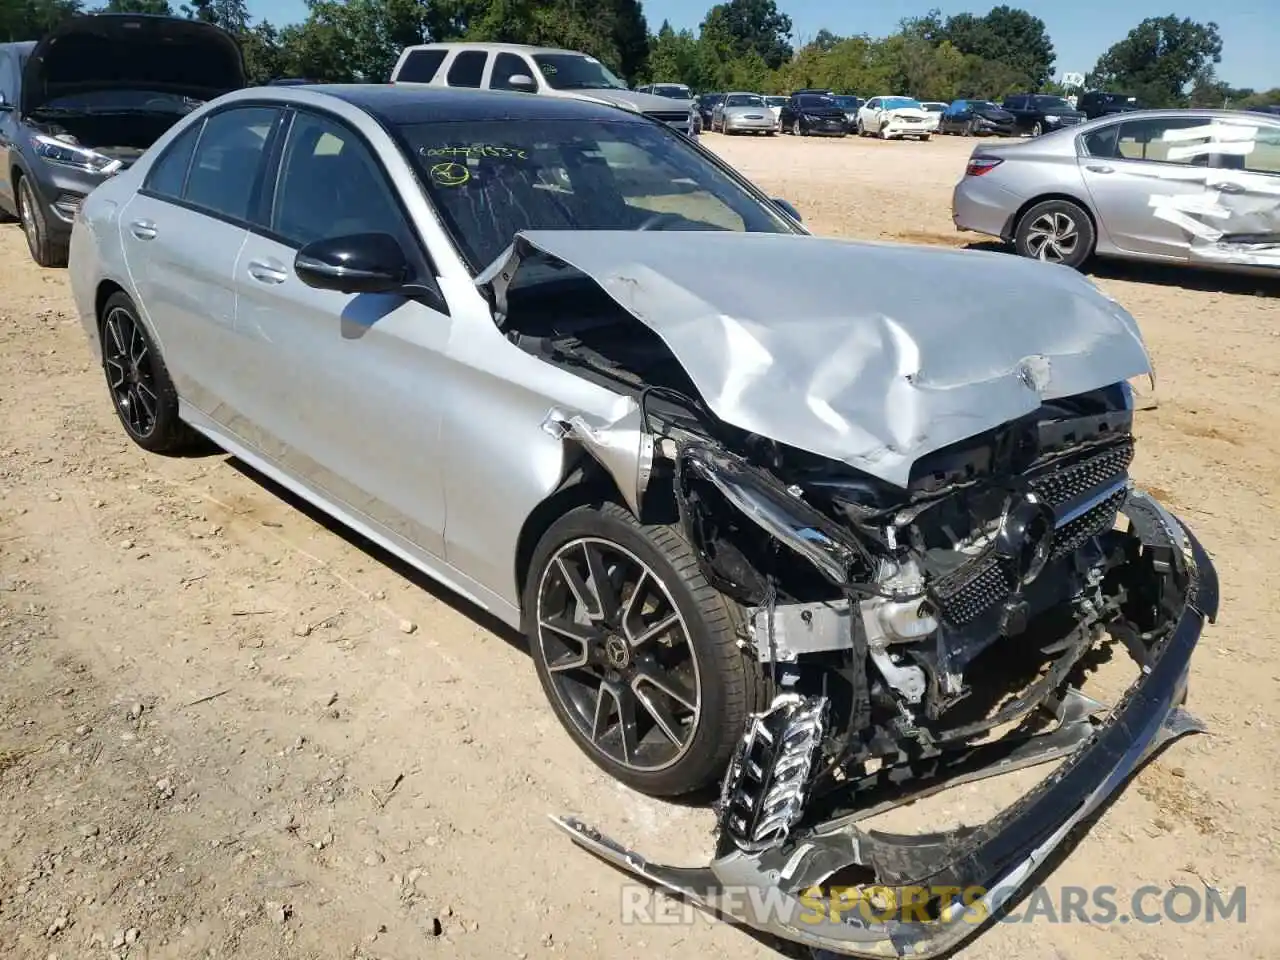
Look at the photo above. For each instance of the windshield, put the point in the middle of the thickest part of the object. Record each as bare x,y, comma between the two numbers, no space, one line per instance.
117,101
493,178
744,100
983,105
848,103
576,71
1051,103
673,90
899,103
811,102
776,101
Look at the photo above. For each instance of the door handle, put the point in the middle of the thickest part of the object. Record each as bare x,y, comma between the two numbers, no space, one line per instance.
1099,168
143,229
1227,187
267,271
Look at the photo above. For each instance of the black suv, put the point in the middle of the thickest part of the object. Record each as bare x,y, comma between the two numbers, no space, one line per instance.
1037,113
1098,103
87,100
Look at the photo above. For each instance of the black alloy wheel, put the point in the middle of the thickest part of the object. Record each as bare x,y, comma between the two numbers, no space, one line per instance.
142,392
636,652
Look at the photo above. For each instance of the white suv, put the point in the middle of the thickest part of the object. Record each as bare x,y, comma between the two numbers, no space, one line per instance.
543,70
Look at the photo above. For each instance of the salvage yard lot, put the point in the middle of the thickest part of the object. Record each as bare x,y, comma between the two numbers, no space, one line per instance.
226,730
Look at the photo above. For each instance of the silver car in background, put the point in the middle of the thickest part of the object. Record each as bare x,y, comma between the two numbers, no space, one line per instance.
1198,187
743,113
826,552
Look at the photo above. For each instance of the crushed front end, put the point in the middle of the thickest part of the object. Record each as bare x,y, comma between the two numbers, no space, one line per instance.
917,639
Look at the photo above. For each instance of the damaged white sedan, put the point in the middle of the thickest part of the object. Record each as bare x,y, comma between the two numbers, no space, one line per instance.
822,555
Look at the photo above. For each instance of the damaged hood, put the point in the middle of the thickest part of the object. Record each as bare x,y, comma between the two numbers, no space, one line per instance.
873,354
109,51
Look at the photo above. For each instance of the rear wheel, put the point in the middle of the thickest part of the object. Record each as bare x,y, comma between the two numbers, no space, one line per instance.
142,391
637,653
45,251
1055,231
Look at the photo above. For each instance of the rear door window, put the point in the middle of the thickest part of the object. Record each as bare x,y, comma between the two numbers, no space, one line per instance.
420,66
226,171
467,68
1182,140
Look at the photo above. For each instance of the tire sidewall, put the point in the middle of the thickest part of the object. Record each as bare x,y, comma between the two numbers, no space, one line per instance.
27,201
1084,227
705,757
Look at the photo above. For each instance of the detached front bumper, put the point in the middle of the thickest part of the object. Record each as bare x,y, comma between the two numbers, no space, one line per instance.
936,890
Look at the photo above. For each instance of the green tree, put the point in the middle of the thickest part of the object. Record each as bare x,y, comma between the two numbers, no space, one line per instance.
1159,59
31,19
159,7
673,57
1008,36
752,25
230,15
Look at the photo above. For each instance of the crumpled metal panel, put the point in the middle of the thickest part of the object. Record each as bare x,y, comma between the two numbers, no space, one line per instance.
874,354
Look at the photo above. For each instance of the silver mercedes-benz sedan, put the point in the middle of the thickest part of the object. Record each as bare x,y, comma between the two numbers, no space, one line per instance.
1199,187
825,551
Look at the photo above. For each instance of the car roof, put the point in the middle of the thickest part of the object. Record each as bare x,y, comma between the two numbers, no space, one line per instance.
395,105
22,46
492,47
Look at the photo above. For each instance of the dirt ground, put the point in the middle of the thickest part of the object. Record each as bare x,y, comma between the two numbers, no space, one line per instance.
227,730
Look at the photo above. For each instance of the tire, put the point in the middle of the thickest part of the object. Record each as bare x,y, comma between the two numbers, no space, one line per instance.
883,132
1058,219
925,137
163,432
859,129
970,129
730,684
1037,130
770,133
45,251
796,129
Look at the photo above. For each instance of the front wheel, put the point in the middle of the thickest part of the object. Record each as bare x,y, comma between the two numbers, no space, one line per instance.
1037,130
637,653
45,251
1055,231
796,128
142,391
860,129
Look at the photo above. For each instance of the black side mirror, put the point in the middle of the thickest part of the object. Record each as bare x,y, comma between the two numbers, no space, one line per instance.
788,209
358,263
5,105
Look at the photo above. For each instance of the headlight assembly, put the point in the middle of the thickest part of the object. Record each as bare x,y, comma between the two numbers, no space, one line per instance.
69,155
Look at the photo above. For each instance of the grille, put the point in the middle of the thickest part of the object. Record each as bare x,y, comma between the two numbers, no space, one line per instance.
978,585
674,117
970,591
1060,486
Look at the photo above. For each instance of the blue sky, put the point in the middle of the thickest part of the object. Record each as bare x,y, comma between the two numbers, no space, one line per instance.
1080,29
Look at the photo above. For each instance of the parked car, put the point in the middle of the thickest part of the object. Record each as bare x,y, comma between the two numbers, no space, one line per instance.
743,113
1273,109
807,114
1037,113
288,82
1097,103
674,91
85,101
501,337
850,105
1178,186
705,106
813,91
894,118
974,118
546,71
775,105
935,110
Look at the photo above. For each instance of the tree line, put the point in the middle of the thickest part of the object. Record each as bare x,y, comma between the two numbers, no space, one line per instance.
740,44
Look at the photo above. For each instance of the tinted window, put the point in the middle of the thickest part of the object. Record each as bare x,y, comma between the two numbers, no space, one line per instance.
467,68
1183,140
420,66
744,100
5,82
506,66
168,175
491,179
575,71
228,157
330,186
815,103
1051,103
1015,103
